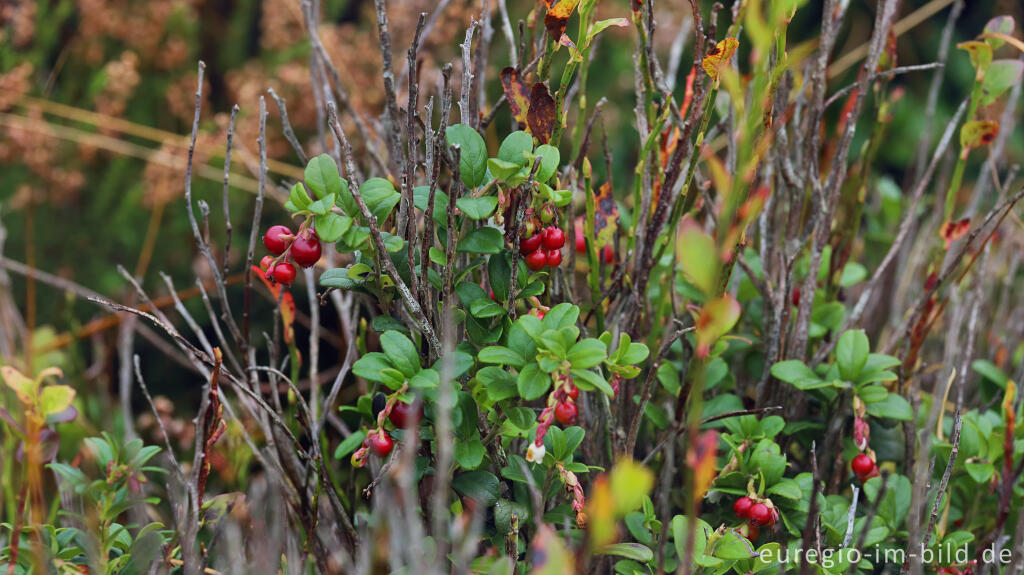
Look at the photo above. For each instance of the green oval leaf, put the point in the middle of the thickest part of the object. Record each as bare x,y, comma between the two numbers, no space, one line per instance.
472,153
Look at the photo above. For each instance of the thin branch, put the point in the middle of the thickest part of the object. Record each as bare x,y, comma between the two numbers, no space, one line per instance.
389,266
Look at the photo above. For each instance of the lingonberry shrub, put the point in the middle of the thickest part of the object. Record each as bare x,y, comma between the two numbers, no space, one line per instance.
695,391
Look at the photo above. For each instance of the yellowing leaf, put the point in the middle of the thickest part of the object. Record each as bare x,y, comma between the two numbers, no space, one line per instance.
630,482
23,387
600,513
696,253
55,399
716,318
978,133
702,458
719,56
980,52
517,94
549,554
606,215
558,16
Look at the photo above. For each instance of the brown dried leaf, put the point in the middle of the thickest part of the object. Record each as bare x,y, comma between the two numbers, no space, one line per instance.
558,16
213,423
541,116
517,94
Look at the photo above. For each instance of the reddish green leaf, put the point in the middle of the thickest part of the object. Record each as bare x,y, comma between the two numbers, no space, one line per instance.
998,25
952,231
716,318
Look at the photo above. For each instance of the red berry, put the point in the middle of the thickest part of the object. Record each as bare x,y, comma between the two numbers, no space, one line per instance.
609,254
266,262
760,515
862,465
284,273
795,298
273,241
742,507
380,443
306,249
554,258
753,532
493,297
536,260
565,412
581,242
554,238
574,392
530,244
405,415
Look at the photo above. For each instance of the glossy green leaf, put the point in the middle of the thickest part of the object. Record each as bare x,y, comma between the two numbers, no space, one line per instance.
472,153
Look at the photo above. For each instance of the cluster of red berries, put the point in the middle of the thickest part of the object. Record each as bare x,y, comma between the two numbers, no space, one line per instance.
757,514
303,248
864,467
543,248
566,410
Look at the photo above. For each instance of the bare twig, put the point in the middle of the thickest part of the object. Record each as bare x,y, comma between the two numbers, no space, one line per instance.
410,302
